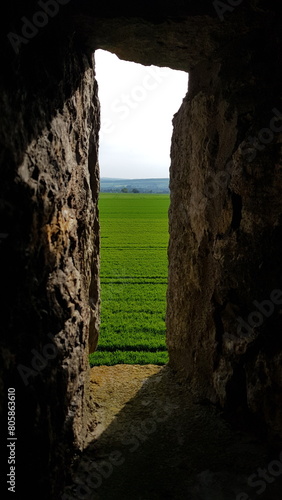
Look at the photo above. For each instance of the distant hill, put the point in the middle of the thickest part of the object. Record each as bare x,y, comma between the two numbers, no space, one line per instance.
112,185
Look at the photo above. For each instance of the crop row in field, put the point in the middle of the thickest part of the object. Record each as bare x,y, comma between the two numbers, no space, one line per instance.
134,238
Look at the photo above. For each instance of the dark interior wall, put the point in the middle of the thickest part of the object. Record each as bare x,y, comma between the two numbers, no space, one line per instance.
224,295
224,248
49,249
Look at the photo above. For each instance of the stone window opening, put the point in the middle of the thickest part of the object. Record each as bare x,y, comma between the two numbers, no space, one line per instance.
130,127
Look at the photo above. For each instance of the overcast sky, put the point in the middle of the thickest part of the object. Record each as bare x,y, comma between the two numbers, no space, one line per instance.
137,106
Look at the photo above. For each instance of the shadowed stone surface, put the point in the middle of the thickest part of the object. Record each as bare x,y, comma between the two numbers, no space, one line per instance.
49,263
225,236
225,214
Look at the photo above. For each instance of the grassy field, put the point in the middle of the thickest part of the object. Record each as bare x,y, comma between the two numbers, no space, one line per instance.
134,238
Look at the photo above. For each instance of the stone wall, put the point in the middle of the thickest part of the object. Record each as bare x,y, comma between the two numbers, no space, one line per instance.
48,255
225,276
225,214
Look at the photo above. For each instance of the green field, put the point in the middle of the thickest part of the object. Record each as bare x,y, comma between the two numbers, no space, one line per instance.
134,239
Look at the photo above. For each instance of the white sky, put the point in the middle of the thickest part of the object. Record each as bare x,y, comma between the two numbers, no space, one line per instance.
137,106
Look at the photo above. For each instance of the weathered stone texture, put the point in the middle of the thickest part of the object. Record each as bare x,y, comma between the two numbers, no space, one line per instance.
49,187
225,214
225,225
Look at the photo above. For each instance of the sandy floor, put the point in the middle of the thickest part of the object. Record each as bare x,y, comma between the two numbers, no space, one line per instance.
152,441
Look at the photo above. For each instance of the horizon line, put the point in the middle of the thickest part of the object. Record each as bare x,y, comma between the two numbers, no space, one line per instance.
134,178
